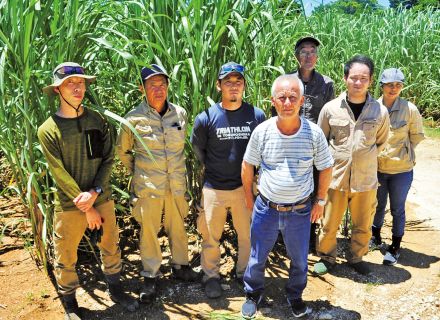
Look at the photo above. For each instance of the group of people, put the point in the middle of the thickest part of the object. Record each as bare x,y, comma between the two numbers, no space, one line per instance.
315,157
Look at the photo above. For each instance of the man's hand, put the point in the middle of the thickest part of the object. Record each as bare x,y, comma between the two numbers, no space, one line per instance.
249,201
94,219
317,213
85,200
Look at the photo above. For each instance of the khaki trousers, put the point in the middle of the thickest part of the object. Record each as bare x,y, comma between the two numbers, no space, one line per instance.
211,222
69,228
362,207
148,212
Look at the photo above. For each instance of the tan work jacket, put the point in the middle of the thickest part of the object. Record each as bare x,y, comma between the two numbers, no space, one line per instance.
164,136
354,145
405,134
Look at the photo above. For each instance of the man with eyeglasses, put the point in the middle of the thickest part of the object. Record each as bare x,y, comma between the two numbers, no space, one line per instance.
77,143
318,90
219,138
158,186
285,148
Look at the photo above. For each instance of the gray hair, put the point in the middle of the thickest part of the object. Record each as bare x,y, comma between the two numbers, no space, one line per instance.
290,77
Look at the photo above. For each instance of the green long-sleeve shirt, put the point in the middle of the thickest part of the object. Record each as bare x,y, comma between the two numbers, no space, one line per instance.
78,161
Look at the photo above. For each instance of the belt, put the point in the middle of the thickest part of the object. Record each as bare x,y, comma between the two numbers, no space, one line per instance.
285,206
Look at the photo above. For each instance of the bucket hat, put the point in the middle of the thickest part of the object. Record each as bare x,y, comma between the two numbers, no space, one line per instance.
65,71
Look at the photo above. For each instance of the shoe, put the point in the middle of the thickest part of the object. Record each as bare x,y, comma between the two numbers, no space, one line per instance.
299,308
390,258
361,267
250,306
149,290
322,267
185,273
117,294
375,244
213,289
72,311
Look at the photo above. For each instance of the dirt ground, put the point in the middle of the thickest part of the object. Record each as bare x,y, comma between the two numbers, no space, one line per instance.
409,290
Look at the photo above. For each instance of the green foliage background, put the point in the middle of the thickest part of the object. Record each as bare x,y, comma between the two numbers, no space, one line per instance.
191,39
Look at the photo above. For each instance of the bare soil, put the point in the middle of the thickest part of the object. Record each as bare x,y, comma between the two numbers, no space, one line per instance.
409,290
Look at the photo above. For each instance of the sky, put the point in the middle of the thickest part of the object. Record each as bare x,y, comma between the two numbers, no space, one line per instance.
311,4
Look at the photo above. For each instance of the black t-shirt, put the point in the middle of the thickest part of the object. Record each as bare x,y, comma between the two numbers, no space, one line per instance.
219,140
356,108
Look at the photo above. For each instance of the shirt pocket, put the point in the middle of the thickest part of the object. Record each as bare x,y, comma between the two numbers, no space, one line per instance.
94,144
148,136
398,133
304,166
369,129
339,131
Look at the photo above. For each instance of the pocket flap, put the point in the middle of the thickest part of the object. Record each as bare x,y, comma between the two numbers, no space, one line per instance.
339,122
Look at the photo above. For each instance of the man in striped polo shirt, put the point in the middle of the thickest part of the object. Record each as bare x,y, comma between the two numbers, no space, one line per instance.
285,148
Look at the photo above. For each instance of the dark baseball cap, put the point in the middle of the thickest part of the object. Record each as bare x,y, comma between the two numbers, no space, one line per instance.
307,39
392,75
155,70
230,67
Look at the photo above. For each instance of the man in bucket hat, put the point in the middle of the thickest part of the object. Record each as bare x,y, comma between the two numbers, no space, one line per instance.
78,146
158,186
219,139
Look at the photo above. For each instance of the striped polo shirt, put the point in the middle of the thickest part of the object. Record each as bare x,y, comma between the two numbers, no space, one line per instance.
286,162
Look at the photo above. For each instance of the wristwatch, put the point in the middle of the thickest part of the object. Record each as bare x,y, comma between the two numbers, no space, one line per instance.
98,189
321,202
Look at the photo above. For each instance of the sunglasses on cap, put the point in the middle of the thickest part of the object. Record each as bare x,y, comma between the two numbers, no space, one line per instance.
234,67
69,70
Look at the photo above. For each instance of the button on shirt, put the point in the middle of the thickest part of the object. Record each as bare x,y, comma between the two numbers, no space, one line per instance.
164,169
317,92
286,161
406,132
354,145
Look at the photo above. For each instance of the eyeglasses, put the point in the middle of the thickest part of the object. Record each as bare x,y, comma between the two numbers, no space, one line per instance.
234,67
69,70
305,54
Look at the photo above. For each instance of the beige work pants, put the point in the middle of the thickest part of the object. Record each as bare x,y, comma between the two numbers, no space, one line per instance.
148,212
69,228
362,207
211,222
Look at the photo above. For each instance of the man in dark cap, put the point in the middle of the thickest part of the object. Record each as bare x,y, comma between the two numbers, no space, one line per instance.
219,139
318,90
77,143
158,185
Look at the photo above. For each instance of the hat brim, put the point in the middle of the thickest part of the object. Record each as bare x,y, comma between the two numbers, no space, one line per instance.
390,81
307,39
222,76
49,89
156,74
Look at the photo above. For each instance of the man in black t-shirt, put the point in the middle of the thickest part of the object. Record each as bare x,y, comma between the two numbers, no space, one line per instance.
219,138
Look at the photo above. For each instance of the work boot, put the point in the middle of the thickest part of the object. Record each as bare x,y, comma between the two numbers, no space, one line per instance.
185,273
213,288
361,267
117,294
72,311
149,290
